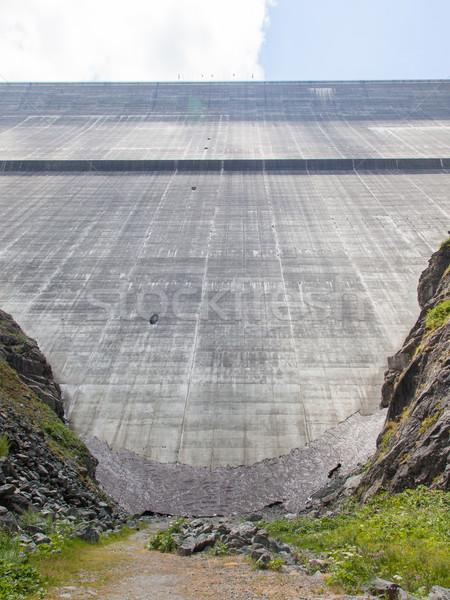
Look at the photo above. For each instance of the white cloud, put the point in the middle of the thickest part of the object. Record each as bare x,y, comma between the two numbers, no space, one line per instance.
135,40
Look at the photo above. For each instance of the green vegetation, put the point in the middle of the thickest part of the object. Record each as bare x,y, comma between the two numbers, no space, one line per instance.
429,422
63,561
18,579
403,538
220,549
438,315
167,540
19,575
391,431
29,409
4,446
445,244
25,573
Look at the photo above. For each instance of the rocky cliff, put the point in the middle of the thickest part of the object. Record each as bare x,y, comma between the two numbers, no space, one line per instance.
23,355
44,467
413,447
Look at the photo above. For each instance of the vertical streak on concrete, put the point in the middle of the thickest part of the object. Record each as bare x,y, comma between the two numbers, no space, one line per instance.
197,325
286,297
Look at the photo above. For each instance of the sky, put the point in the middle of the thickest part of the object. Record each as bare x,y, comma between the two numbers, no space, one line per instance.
217,40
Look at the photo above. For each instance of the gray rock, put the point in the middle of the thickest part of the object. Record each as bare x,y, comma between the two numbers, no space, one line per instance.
262,537
32,529
223,530
287,558
196,523
318,564
235,542
7,490
261,557
439,593
187,547
89,534
8,521
245,531
41,538
204,540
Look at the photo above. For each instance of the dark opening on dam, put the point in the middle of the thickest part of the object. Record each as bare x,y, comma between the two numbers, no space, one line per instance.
218,271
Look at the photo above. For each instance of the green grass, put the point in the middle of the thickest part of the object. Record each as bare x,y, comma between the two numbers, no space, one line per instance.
438,315
403,538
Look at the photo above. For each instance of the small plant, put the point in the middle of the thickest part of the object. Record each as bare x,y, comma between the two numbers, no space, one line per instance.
220,549
5,444
438,315
276,564
167,540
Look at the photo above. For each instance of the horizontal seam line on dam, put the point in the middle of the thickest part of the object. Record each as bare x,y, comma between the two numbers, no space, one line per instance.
200,165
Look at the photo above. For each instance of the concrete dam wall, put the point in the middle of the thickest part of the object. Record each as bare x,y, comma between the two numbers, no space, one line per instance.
217,272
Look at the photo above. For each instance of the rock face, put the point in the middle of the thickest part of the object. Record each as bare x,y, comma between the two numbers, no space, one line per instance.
23,355
413,448
44,468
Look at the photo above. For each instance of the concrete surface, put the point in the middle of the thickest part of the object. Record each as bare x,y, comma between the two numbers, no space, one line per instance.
225,120
279,294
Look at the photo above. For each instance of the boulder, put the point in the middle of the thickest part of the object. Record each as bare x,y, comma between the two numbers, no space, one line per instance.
187,547
261,557
89,534
41,538
7,490
204,540
439,593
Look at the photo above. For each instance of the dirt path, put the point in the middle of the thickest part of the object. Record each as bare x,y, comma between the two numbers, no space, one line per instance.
126,570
